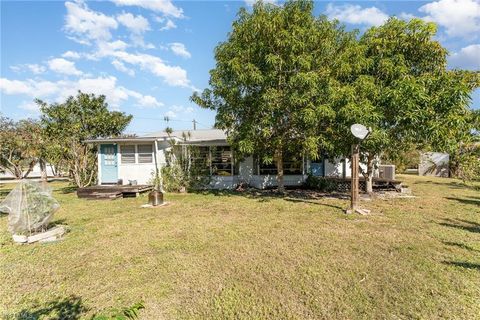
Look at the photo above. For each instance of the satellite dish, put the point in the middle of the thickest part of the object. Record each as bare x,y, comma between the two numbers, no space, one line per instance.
359,131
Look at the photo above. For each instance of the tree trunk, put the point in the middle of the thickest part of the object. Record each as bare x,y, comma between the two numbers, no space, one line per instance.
369,175
17,172
30,168
43,169
279,162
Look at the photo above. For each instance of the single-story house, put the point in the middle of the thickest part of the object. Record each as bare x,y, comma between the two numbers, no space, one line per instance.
134,159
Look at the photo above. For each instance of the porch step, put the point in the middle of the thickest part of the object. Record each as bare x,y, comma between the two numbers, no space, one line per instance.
112,192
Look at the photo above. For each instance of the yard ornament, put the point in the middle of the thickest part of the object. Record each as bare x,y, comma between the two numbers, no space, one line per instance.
30,207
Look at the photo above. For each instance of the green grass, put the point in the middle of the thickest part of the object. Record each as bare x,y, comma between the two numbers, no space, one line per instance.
244,256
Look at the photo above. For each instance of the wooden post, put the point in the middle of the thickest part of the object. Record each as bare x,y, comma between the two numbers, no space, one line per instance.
354,186
355,182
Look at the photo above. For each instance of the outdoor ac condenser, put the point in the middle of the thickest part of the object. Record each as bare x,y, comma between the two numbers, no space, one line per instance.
386,171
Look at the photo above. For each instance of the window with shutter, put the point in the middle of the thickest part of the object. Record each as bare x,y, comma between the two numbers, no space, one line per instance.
128,154
145,153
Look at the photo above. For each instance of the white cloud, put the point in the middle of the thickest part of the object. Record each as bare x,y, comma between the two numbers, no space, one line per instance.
136,24
162,6
406,16
14,86
121,67
63,66
467,58
71,55
170,114
138,41
29,106
459,17
146,101
58,91
355,14
180,50
168,25
112,46
36,69
175,110
172,75
33,68
81,22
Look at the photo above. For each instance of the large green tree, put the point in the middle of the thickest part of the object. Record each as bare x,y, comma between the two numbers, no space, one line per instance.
67,125
404,92
271,83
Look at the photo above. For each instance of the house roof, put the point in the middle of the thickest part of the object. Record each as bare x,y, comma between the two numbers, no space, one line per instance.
192,136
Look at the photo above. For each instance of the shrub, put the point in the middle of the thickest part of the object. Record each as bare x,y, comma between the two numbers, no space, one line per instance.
320,183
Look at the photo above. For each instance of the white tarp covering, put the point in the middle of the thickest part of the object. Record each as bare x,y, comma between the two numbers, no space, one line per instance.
30,207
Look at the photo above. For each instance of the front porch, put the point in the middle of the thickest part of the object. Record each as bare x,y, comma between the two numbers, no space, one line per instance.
110,192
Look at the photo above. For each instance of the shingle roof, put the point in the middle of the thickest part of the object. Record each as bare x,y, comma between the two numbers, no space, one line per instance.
192,135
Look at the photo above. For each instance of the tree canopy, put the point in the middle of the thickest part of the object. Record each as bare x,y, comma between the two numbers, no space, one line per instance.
69,124
285,81
21,146
271,83
404,92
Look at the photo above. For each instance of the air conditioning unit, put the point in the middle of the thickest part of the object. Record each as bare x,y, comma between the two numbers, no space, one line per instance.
386,171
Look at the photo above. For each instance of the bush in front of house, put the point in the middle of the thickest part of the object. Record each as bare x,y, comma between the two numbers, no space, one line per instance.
320,184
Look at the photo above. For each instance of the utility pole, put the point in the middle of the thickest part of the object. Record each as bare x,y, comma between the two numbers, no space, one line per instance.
194,124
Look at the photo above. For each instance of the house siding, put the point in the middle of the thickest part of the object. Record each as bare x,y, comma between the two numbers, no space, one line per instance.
143,172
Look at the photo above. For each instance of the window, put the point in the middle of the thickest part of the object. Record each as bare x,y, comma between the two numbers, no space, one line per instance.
200,159
109,156
292,165
145,154
214,160
128,154
267,168
221,160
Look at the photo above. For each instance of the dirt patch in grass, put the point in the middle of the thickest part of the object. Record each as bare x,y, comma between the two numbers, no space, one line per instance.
221,255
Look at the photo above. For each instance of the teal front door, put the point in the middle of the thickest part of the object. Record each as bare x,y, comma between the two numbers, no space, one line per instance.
109,165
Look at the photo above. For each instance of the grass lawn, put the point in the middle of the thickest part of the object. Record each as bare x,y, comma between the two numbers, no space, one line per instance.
237,255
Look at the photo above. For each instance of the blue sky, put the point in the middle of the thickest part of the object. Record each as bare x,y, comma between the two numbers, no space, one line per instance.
148,56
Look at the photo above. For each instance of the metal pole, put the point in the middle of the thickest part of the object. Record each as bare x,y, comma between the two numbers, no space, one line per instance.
354,181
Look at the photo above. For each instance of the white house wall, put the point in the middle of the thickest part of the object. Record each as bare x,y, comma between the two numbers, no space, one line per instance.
143,172
268,181
245,169
35,173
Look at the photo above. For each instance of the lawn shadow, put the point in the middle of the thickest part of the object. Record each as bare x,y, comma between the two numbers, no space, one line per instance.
452,184
69,308
68,189
464,264
4,192
297,193
56,222
292,195
471,200
462,225
460,245
313,202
